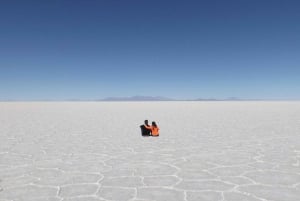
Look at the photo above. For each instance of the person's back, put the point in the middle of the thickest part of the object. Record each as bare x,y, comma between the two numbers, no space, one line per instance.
144,130
154,129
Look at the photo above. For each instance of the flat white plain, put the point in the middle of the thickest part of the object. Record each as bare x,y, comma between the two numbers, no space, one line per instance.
92,151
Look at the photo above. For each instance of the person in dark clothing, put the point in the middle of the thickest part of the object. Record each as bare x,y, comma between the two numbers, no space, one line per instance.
144,130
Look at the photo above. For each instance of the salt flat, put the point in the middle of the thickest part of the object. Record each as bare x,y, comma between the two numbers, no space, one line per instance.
207,151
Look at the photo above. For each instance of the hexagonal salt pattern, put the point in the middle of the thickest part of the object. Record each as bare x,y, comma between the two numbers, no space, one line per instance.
93,151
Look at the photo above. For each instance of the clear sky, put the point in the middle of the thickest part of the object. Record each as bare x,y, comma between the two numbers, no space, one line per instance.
89,49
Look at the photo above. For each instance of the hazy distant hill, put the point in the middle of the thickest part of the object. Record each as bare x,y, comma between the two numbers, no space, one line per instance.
161,98
138,98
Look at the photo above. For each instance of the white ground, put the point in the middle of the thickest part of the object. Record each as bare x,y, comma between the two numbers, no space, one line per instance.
207,151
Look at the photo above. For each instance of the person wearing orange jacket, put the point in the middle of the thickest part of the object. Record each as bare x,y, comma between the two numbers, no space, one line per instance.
154,129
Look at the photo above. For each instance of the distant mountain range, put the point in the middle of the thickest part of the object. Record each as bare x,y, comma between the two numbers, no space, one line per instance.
138,98
148,98
161,98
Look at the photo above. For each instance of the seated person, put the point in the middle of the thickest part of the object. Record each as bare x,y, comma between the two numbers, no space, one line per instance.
154,129
144,130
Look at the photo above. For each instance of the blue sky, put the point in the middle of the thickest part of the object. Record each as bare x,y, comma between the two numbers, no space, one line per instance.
93,49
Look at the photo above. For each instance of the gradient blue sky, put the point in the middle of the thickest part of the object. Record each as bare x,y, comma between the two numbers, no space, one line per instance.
91,49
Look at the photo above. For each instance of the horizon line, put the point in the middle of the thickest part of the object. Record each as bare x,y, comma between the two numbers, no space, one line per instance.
173,100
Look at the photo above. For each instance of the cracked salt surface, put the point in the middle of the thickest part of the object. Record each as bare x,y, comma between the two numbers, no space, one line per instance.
93,151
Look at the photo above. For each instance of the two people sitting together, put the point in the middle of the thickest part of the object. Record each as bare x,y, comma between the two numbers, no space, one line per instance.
148,130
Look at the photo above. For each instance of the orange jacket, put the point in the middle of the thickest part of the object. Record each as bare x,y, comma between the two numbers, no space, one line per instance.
154,130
